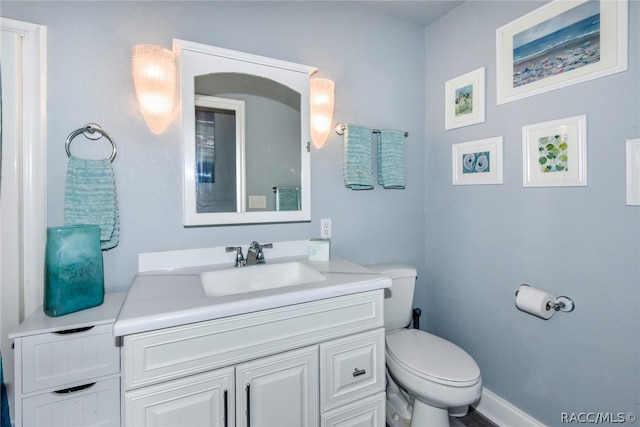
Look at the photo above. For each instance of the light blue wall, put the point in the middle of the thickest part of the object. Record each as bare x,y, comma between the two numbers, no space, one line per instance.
377,65
484,241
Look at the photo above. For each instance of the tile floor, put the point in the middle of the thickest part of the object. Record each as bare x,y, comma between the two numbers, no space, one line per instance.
472,419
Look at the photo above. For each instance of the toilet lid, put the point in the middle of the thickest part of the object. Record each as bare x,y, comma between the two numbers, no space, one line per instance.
432,357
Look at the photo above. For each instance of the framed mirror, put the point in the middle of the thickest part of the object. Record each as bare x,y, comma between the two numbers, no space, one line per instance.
245,123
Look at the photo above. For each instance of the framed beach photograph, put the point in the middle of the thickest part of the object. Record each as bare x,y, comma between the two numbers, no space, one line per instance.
477,162
554,153
633,172
464,100
562,43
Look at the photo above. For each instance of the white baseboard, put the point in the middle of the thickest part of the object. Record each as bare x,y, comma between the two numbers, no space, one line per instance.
503,413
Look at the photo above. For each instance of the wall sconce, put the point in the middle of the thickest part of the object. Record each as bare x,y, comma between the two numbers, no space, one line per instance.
154,77
322,98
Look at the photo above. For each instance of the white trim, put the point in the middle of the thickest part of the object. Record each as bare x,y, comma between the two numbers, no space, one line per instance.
503,413
34,176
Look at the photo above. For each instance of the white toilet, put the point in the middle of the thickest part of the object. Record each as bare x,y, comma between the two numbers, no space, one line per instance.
427,377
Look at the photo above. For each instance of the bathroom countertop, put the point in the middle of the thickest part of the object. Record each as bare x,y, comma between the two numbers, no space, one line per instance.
38,322
163,299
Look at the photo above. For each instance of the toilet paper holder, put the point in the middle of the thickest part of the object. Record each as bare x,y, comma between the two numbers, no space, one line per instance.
562,303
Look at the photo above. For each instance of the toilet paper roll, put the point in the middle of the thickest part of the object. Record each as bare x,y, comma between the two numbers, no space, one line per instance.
534,301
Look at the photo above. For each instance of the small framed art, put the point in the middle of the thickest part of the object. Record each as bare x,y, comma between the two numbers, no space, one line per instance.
464,100
477,162
633,172
554,153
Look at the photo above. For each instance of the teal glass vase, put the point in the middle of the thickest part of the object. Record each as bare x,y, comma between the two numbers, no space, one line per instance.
74,277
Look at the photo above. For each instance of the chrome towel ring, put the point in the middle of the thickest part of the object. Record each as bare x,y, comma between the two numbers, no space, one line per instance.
89,132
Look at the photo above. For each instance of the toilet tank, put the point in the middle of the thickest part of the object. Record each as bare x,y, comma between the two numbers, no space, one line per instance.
398,300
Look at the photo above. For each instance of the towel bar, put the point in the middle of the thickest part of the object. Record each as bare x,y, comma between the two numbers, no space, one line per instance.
340,127
89,130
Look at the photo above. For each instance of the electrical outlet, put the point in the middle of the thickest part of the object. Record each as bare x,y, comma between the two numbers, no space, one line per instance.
325,228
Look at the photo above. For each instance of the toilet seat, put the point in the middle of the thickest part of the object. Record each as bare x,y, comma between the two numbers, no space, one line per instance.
432,358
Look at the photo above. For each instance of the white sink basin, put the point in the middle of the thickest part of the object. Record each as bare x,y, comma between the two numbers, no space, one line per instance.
257,277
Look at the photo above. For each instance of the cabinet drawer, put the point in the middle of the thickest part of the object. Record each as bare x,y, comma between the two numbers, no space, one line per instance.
369,412
69,357
351,368
95,404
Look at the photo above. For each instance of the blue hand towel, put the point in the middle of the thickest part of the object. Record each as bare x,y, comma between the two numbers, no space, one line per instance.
287,199
90,198
357,167
391,164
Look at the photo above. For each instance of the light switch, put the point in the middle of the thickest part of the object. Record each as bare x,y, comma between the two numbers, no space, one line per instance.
257,202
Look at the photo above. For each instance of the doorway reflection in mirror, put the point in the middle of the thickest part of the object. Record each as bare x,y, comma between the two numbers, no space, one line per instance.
218,141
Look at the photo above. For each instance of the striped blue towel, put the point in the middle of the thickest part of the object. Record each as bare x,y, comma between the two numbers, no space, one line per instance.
391,164
287,199
90,198
357,167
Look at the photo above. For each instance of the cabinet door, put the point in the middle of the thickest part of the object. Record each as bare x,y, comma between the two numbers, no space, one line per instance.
200,400
279,391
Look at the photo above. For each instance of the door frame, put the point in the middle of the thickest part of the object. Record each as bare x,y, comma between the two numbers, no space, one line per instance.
33,215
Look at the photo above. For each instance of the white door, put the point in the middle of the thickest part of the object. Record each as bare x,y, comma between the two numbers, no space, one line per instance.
279,391
10,257
200,400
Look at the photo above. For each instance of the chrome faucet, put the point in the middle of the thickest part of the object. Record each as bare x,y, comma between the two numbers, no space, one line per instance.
255,255
240,261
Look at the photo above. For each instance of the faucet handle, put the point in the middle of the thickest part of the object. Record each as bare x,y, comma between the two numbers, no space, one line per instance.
239,257
257,247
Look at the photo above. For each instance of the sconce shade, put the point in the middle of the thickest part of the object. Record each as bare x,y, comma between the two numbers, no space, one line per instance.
322,99
154,77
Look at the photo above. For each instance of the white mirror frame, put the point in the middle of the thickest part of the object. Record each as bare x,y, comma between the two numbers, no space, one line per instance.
196,59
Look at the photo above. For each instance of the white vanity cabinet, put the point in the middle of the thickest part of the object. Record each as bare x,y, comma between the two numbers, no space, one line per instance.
67,368
310,364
